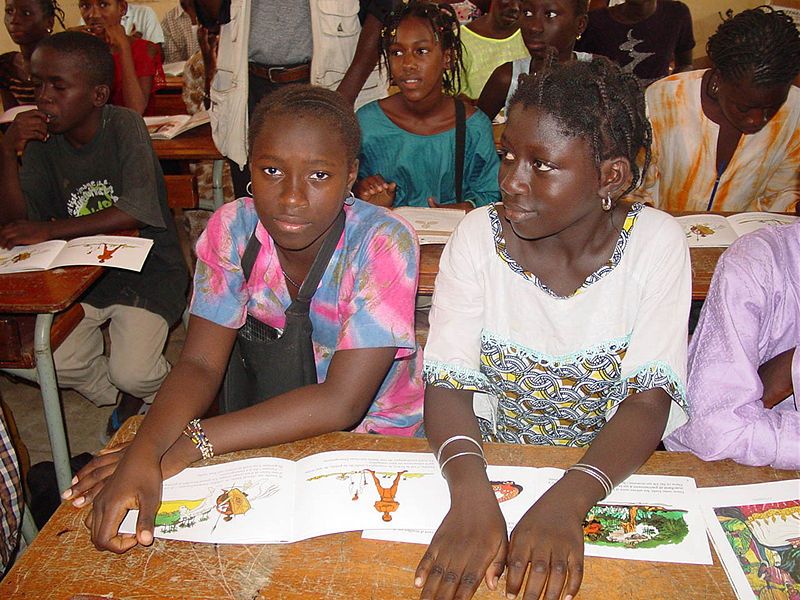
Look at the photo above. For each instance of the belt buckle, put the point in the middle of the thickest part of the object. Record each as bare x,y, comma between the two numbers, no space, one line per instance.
272,70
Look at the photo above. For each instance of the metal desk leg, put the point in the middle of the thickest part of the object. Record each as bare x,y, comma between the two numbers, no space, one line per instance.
219,196
48,384
29,529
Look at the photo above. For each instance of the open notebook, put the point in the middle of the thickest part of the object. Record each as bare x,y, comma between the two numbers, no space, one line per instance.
710,230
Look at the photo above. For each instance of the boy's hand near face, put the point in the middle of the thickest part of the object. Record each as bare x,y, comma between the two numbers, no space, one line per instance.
27,126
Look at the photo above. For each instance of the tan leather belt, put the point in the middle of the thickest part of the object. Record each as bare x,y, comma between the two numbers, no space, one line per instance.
288,74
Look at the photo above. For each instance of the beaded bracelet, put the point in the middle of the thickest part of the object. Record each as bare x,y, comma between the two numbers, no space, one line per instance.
457,454
455,438
595,472
194,431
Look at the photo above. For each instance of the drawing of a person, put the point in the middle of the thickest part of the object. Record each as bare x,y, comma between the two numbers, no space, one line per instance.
386,504
107,253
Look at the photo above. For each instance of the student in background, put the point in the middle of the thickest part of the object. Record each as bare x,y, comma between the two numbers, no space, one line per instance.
27,22
728,138
89,168
137,62
180,32
744,367
366,366
408,146
546,25
489,41
141,20
559,318
644,37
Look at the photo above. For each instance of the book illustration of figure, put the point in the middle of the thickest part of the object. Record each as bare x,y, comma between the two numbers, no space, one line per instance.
357,483
506,490
766,540
18,257
700,230
104,251
633,526
386,502
107,253
232,502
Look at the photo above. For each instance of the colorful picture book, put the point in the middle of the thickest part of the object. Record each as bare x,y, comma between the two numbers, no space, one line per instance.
391,494
166,128
117,251
433,225
710,230
755,530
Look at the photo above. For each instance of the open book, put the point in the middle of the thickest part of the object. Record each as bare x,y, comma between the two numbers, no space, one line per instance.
104,250
267,500
433,225
174,69
755,530
166,128
710,230
11,113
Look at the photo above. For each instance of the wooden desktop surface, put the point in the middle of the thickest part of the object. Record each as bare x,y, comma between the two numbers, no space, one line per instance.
45,291
193,145
62,563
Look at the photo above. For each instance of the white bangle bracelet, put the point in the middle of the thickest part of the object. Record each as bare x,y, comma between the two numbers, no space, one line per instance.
469,453
595,472
455,438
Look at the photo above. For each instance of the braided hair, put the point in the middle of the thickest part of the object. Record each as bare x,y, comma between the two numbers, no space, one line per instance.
596,101
761,42
446,31
302,100
50,8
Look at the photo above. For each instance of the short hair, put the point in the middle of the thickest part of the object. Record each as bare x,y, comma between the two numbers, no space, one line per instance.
594,100
581,7
761,42
446,31
300,100
50,8
92,54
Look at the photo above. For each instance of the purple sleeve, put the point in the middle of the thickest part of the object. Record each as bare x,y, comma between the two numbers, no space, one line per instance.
727,416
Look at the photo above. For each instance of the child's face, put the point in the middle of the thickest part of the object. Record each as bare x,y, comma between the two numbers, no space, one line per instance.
550,23
548,180
505,13
63,90
749,106
99,14
416,60
301,176
25,21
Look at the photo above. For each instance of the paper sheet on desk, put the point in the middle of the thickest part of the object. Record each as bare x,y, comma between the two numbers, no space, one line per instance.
666,526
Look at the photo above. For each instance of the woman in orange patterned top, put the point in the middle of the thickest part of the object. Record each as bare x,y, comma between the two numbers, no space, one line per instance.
728,138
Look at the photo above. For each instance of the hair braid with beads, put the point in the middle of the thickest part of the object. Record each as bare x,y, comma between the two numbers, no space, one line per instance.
446,31
761,42
302,100
595,101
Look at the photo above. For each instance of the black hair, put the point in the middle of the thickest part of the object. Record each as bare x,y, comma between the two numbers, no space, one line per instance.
298,100
92,54
446,30
596,101
50,8
761,42
581,7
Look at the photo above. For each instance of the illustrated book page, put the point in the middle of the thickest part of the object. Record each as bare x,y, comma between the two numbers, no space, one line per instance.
744,223
647,517
755,530
710,230
433,225
122,252
166,128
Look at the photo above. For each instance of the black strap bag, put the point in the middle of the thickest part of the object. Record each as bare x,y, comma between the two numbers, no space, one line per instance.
265,363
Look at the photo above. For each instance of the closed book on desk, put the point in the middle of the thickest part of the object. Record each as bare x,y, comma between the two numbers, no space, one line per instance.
433,225
117,251
166,128
710,230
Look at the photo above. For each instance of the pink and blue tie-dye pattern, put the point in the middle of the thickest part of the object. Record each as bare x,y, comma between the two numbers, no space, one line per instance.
365,299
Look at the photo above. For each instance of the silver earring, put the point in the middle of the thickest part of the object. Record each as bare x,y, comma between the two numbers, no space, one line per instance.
606,202
350,199
249,188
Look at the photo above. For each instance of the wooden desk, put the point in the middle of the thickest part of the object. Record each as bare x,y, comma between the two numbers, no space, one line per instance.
192,146
62,562
45,293
703,262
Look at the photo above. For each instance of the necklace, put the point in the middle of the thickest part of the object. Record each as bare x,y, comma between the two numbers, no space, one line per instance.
290,280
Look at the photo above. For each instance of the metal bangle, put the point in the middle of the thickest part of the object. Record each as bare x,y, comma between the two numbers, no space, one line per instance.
469,453
455,438
601,477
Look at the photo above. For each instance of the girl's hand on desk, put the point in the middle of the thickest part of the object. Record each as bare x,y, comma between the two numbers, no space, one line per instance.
19,233
376,190
136,484
549,538
470,545
91,478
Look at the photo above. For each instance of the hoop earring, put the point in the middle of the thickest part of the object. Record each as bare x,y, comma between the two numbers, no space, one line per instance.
249,188
577,37
350,199
606,202
49,30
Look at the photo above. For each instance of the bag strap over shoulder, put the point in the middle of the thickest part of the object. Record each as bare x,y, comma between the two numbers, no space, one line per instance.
461,119
250,254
